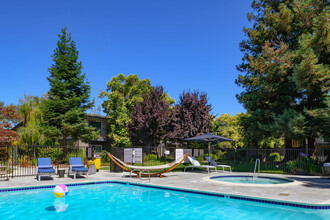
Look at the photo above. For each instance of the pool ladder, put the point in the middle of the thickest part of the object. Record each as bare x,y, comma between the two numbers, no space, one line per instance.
255,168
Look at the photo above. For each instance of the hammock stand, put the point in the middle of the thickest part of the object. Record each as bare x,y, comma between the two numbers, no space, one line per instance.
136,169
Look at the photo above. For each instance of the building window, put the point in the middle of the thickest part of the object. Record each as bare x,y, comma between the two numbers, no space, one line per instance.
96,125
98,149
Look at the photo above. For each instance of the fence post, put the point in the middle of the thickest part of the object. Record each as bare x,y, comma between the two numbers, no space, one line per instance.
57,158
12,165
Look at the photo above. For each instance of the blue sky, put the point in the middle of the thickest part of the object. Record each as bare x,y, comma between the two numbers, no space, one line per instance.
180,44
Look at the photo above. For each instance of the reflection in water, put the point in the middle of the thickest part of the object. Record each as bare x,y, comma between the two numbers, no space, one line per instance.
59,205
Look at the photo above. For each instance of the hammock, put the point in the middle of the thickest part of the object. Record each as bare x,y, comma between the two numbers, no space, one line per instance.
134,169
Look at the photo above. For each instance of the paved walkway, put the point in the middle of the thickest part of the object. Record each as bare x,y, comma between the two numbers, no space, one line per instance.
306,189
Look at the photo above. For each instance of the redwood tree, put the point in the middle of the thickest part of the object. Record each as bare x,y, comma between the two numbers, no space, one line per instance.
285,69
68,97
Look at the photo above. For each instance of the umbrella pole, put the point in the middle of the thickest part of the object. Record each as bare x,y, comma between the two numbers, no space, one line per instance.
209,151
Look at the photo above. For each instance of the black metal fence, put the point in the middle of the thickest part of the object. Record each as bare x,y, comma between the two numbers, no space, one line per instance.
289,161
282,161
23,159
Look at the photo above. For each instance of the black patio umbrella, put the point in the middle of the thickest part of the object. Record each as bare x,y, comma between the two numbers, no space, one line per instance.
208,138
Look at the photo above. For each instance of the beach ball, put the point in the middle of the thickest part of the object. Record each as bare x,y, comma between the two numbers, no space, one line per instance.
60,191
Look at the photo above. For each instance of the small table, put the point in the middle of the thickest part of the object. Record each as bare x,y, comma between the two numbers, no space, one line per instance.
61,173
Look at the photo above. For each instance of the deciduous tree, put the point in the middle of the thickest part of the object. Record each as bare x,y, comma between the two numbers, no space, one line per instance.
150,118
9,117
120,96
191,116
230,127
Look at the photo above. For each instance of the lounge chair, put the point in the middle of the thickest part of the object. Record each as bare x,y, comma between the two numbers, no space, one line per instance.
45,167
213,163
4,172
196,164
140,169
76,166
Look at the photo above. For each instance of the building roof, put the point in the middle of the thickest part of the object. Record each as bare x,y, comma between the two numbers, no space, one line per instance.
96,116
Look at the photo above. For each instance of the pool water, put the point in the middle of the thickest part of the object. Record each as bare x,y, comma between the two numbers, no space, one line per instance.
251,180
120,201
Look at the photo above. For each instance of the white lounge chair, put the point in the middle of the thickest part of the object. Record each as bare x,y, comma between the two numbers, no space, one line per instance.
213,163
196,164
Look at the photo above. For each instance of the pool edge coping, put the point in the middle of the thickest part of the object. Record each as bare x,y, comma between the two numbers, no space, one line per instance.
209,179
314,206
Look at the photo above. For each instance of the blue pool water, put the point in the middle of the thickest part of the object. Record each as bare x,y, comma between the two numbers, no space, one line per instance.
251,180
119,201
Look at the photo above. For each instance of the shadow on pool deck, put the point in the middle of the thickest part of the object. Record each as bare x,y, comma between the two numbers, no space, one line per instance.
317,182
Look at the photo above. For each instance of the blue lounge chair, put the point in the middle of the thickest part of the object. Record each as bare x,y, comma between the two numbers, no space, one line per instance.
76,166
45,167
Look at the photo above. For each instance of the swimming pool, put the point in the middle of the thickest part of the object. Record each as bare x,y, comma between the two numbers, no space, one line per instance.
122,201
251,180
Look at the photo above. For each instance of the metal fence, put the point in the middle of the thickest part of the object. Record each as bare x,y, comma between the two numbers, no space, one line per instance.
23,159
289,161
282,161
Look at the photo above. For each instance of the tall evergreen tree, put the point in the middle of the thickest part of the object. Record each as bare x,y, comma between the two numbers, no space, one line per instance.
68,97
286,66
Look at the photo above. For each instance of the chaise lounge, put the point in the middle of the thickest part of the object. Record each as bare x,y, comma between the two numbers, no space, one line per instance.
76,166
213,163
45,167
196,164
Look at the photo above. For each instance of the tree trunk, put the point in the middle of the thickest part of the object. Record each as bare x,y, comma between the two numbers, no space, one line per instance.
288,143
311,142
64,145
290,153
311,145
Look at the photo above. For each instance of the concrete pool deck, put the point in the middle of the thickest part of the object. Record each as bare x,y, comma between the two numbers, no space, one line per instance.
305,189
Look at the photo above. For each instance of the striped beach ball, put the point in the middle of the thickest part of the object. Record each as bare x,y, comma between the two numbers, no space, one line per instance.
60,191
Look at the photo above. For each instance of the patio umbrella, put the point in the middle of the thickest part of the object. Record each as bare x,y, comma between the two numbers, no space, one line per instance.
208,138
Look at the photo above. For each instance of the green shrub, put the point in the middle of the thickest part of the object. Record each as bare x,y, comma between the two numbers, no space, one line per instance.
199,158
105,157
218,155
72,153
221,155
150,157
274,156
55,154
305,165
